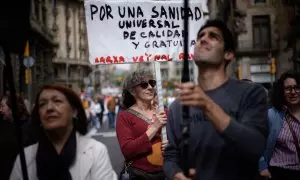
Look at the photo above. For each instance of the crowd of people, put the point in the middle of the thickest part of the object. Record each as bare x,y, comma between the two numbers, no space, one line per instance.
100,107
236,133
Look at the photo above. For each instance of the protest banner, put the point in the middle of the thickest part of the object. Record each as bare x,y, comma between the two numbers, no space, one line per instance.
121,31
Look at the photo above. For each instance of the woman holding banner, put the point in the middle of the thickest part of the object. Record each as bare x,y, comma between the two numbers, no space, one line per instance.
62,151
139,126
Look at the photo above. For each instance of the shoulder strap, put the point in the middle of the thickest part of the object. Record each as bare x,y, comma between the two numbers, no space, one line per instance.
289,117
139,115
127,165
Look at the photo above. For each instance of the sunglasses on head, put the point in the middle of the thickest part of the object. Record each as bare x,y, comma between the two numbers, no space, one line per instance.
144,85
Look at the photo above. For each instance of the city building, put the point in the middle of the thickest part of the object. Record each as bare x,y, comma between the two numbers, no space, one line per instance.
259,43
288,19
102,76
270,45
70,63
41,46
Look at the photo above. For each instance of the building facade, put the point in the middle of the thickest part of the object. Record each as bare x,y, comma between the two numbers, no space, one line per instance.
70,62
270,45
288,19
259,43
102,76
41,46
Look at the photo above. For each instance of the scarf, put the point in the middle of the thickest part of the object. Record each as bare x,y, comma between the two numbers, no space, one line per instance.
50,164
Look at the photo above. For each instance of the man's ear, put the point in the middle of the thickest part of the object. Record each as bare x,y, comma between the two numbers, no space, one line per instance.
228,56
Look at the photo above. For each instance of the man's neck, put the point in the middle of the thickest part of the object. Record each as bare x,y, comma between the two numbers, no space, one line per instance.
209,78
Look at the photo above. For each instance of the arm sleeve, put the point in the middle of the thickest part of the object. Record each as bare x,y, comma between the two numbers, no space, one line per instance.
102,168
263,162
262,165
249,131
172,152
131,146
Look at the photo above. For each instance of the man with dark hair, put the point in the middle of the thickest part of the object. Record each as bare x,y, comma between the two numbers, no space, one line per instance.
228,117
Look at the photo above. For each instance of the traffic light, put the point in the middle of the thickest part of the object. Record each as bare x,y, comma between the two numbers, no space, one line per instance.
273,66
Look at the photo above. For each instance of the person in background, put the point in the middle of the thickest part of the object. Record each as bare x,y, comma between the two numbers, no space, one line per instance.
281,158
111,107
100,101
26,101
8,138
139,126
63,152
6,109
118,104
94,109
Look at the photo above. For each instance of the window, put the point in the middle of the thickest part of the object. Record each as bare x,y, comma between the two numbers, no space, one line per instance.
259,1
261,32
44,15
37,9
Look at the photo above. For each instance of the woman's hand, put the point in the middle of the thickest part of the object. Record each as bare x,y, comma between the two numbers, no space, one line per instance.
160,119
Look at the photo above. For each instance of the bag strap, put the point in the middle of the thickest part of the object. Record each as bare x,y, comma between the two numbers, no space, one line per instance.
289,116
127,165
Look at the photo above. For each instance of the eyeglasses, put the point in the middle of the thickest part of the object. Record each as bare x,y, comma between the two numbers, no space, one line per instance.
289,89
144,85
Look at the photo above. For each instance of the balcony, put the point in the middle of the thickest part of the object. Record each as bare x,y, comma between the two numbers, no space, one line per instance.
42,31
249,48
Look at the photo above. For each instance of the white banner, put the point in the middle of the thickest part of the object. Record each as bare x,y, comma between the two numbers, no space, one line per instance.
123,31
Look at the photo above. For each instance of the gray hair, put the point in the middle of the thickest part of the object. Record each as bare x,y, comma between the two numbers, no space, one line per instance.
137,77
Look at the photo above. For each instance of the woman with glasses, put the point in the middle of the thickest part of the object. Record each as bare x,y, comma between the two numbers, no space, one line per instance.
139,126
281,159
